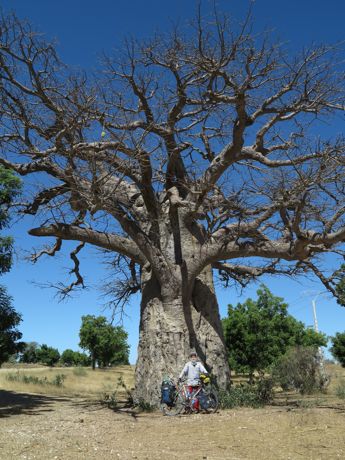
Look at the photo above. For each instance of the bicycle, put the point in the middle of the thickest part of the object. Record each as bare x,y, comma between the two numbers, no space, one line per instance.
183,401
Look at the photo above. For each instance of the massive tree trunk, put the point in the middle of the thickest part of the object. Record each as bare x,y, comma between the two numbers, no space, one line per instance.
170,327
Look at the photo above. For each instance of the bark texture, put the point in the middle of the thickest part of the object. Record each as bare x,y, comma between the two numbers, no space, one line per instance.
168,331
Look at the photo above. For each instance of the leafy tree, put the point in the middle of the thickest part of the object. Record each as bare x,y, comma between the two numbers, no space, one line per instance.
258,332
9,334
107,344
48,355
340,285
338,347
74,358
208,153
29,353
67,357
9,187
9,318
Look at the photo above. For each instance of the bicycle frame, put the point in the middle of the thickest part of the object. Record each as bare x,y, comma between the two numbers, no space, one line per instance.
183,390
185,398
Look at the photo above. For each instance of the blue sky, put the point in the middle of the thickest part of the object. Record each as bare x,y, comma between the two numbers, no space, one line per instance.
83,30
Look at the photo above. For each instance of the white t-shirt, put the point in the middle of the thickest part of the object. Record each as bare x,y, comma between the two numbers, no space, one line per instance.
192,371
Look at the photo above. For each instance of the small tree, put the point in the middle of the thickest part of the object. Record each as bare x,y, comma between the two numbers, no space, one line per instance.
29,353
9,334
258,332
107,344
67,357
338,347
74,358
48,355
300,369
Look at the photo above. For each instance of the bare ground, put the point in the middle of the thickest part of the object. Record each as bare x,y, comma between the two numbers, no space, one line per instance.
46,427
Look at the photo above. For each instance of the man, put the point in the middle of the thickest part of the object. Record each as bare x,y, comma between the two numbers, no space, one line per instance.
192,371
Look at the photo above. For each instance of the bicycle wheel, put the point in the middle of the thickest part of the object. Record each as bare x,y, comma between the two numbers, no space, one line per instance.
175,408
212,402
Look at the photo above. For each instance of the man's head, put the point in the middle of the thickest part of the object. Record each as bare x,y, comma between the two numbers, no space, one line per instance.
193,356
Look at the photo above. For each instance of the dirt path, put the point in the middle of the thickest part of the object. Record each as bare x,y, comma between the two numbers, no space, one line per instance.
44,427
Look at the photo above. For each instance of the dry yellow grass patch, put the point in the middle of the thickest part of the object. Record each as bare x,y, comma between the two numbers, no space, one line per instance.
79,381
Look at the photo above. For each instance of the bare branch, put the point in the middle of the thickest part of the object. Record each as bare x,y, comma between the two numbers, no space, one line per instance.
105,240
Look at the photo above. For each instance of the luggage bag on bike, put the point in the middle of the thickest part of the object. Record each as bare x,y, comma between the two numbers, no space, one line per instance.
167,392
204,400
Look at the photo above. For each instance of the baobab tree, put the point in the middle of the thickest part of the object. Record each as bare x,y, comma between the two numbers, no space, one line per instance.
184,157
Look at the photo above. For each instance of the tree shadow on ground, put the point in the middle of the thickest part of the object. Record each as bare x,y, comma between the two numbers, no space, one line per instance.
121,408
12,403
291,401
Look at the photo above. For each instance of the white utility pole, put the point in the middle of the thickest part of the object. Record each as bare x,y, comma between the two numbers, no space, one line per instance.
316,326
320,352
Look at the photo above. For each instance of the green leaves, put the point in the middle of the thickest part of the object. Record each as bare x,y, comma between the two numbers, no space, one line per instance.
10,186
106,343
48,355
258,332
74,358
340,286
9,334
338,347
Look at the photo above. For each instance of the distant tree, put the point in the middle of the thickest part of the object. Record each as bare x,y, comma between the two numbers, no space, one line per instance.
9,334
258,332
106,344
338,347
81,359
48,355
74,358
29,353
67,357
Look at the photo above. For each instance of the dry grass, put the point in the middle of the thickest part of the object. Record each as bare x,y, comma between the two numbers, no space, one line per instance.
83,382
86,383
71,428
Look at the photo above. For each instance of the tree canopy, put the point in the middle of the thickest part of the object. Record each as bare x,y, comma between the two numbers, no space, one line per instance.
9,318
107,344
74,358
9,187
29,353
48,355
258,332
338,347
9,334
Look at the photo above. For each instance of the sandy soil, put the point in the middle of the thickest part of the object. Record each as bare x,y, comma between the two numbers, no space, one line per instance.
48,427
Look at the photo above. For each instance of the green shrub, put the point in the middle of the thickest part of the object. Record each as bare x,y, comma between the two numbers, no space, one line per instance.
299,369
58,380
247,395
109,400
32,379
340,390
264,390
